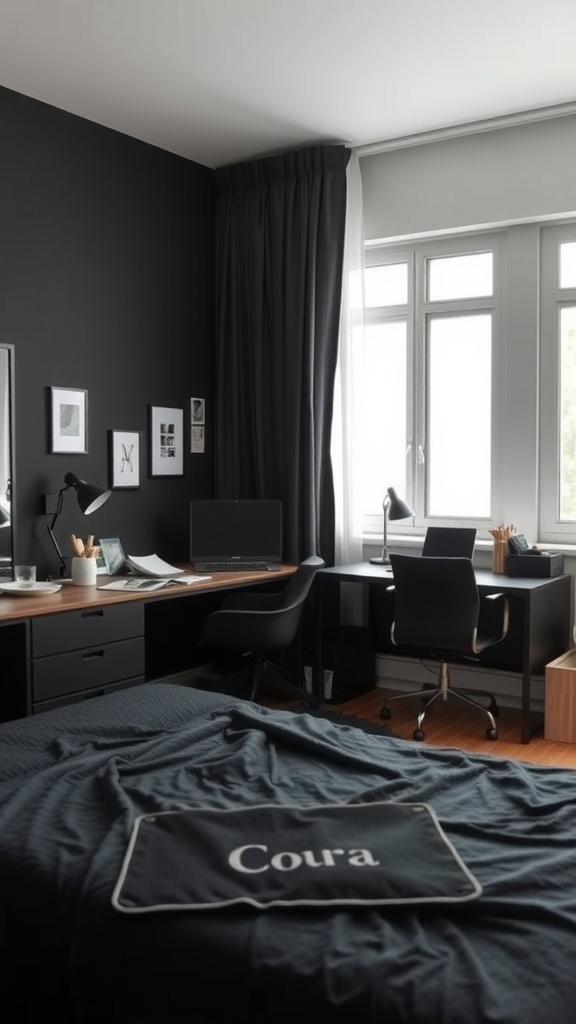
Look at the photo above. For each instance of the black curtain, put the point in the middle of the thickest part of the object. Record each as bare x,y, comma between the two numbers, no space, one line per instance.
279,253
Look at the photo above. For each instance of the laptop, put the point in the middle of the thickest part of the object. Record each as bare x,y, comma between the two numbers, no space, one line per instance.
449,542
228,535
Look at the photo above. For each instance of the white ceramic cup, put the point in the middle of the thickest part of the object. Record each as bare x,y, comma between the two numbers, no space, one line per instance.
83,572
25,575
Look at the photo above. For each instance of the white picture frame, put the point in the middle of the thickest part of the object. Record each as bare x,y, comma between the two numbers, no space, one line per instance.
124,459
69,421
166,441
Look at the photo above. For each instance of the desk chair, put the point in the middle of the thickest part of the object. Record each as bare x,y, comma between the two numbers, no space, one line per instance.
258,625
437,607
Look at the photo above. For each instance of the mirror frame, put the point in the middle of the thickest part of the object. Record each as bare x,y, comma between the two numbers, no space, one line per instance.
8,569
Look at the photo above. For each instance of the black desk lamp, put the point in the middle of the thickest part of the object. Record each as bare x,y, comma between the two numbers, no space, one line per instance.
392,508
90,499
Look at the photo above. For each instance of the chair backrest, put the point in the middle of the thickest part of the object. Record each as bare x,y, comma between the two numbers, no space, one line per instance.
263,622
280,625
298,586
436,602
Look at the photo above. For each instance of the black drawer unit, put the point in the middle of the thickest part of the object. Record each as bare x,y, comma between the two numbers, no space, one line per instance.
76,653
91,627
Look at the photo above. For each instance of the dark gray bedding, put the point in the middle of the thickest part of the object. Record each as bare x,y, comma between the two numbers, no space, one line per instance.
73,781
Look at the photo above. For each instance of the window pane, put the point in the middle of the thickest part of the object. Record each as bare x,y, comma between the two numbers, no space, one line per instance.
459,416
384,462
568,413
460,277
568,265
386,285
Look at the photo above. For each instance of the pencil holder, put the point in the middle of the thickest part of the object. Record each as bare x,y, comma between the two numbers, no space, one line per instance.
499,556
83,572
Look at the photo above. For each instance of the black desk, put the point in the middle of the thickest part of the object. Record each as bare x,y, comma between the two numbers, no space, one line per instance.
540,622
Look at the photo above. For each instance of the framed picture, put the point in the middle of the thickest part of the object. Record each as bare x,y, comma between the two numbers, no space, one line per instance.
113,554
124,458
166,441
197,410
69,416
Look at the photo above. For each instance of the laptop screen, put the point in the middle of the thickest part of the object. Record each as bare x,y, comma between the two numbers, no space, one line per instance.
224,530
449,542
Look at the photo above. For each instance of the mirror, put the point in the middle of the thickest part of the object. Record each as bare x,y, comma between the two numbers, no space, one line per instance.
6,459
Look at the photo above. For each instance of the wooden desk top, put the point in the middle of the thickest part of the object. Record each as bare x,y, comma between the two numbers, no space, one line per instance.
71,598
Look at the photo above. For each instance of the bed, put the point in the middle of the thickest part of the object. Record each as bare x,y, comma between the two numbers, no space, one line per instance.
73,782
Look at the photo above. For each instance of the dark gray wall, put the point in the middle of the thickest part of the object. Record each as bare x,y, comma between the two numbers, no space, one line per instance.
106,283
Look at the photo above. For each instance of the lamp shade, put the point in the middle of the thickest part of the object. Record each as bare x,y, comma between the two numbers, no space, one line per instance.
393,508
4,517
398,509
90,498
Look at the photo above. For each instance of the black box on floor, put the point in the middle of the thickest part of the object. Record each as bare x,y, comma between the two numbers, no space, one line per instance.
348,663
540,566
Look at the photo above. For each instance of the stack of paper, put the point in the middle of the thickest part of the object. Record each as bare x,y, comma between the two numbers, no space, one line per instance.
151,565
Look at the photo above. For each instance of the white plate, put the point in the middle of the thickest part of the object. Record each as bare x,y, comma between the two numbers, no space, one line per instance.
34,591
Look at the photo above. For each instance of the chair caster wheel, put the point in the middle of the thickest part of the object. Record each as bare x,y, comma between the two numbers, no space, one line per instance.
491,734
385,712
418,734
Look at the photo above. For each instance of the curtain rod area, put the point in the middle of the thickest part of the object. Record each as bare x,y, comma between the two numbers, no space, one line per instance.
472,128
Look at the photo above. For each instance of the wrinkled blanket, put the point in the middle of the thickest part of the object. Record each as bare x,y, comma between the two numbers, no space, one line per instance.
74,780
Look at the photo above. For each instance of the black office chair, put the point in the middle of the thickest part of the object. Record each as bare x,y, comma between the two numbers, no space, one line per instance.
437,607
258,625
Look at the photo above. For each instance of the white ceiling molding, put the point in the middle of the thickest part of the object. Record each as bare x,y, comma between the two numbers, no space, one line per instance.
472,128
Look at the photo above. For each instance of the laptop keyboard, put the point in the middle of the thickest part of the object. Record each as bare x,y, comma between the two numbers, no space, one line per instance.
233,566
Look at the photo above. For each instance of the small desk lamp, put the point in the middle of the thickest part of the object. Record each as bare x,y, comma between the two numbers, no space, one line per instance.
392,508
90,499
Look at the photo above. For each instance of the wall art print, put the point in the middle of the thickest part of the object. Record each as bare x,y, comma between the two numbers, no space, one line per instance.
166,441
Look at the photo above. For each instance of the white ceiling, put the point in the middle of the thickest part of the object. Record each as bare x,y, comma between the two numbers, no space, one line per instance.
220,81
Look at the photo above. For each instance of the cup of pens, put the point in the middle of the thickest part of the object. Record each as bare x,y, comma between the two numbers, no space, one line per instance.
501,536
83,569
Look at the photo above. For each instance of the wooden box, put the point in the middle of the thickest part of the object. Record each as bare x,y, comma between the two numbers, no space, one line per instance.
560,703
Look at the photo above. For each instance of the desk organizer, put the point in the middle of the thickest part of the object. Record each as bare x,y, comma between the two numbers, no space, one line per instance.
536,566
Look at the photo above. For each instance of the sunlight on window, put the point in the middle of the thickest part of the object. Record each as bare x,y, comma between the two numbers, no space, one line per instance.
460,277
568,265
459,416
385,285
384,463
568,411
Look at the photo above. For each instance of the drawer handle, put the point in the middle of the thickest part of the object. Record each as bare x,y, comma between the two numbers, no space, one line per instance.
92,654
98,613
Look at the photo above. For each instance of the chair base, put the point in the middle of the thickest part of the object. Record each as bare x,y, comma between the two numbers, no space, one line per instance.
442,692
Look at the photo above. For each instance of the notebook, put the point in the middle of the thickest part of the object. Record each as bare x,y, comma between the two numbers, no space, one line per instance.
449,542
227,535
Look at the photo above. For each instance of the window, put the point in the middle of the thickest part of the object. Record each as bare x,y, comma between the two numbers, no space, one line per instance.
558,384
431,381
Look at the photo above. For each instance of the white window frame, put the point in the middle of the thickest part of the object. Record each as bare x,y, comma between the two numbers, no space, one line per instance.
417,314
552,299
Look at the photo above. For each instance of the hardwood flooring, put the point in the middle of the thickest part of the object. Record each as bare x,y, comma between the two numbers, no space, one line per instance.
450,724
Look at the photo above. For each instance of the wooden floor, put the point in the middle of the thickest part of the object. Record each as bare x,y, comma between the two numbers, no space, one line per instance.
450,724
